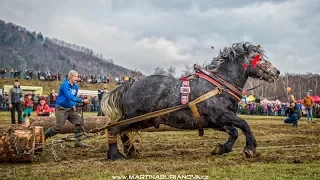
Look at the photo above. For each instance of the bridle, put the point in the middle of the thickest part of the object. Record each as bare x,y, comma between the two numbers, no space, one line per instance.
265,67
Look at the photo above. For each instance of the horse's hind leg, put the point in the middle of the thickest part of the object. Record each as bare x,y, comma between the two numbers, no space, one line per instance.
113,151
227,147
129,148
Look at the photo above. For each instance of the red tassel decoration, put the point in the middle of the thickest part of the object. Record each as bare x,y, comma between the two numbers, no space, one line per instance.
256,60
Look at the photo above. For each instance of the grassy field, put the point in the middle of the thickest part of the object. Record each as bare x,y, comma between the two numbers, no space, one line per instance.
49,85
185,153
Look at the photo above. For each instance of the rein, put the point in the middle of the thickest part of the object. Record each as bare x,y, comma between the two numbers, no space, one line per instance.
238,88
255,87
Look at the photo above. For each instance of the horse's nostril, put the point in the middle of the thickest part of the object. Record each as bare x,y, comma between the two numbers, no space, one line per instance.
278,72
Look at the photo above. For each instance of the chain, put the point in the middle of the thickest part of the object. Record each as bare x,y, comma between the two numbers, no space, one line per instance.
53,144
13,139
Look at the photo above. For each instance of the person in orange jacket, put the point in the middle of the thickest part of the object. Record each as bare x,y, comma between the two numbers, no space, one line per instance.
43,108
308,103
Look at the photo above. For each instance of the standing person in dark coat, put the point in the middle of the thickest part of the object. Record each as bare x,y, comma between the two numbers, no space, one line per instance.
15,95
102,92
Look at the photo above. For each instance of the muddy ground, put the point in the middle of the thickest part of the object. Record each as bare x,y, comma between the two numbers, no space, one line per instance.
185,153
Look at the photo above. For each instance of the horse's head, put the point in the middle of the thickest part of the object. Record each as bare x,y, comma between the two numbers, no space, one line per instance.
259,66
242,60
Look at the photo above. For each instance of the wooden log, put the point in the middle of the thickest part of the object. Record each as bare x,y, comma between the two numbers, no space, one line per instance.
39,138
47,122
17,145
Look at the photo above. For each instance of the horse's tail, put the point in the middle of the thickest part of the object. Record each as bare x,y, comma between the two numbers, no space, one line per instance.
111,104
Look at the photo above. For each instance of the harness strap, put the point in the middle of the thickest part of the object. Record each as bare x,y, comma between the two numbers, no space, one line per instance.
193,107
204,76
197,118
233,88
154,114
219,81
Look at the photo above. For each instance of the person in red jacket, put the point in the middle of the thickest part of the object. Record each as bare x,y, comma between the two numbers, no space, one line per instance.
43,108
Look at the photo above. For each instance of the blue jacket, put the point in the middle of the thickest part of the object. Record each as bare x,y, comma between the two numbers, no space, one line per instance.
67,96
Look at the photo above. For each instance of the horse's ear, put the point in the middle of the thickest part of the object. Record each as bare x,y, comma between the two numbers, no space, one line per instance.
245,48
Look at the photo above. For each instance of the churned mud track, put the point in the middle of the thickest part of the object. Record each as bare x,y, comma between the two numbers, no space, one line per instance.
280,153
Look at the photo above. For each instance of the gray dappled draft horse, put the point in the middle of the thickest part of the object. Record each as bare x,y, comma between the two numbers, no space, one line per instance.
156,92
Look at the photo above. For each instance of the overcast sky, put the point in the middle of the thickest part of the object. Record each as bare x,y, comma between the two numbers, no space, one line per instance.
144,34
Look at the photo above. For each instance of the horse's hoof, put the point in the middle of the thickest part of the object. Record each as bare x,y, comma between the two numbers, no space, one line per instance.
218,150
114,157
133,154
249,153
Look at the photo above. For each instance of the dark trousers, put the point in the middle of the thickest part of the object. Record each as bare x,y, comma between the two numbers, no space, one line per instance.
100,113
16,106
45,114
292,119
62,115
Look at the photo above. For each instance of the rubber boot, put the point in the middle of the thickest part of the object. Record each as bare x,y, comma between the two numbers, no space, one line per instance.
47,134
80,144
77,134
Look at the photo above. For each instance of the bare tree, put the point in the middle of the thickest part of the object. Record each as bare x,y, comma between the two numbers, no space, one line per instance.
186,71
159,71
171,71
299,84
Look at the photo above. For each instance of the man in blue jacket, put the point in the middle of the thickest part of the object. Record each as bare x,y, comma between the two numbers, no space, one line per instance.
66,108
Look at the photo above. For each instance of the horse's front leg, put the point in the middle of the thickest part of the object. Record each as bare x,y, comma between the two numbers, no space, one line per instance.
231,119
226,147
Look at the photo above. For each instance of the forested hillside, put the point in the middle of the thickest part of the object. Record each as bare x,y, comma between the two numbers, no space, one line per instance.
24,50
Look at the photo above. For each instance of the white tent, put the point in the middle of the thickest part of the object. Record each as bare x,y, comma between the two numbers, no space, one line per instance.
276,101
87,92
265,101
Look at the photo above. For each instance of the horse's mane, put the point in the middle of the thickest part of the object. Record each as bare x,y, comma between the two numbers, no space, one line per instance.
233,52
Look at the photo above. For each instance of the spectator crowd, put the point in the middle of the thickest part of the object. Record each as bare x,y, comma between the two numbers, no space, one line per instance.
272,109
56,76
50,100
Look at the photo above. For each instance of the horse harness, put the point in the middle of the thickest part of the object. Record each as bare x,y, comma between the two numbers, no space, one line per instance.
215,80
220,84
